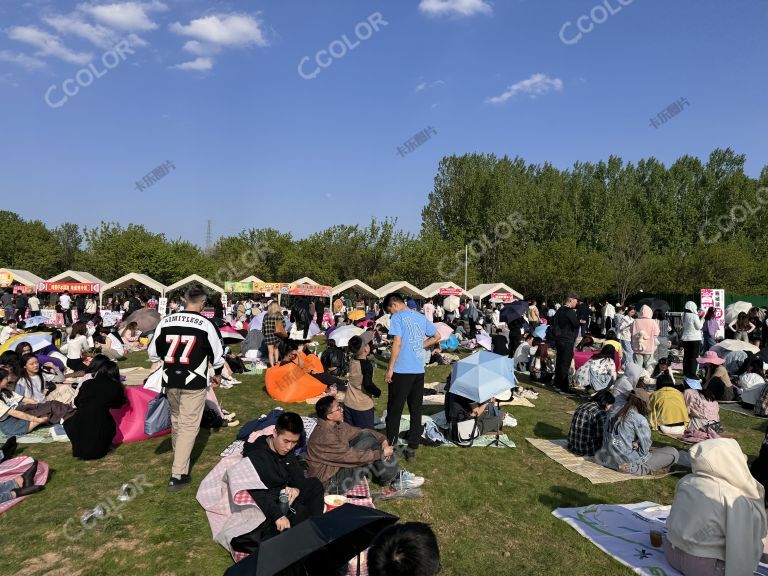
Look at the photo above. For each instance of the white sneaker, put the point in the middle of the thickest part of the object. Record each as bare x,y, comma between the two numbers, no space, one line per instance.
407,480
226,384
234,381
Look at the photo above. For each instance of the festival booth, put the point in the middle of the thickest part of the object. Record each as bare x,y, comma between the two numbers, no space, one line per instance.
48,293
363,294
443,289
498,293
77,276
304,280
21,281
402,287
191,279
253,279
305,289
131,280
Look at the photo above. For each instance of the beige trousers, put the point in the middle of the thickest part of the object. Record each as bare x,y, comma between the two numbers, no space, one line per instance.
186,413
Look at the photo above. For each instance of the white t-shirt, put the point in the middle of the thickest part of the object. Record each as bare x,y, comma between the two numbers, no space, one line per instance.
5,333
429,311
8,403
32,387
65,301
75,347
115,344
34,304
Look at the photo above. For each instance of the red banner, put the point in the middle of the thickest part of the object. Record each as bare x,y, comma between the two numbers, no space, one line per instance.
502,297
23,289
307,290
451,291
74,287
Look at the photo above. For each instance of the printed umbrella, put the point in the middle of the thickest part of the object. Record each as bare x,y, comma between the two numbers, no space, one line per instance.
732,312
229,335
730,345
356,315
451,303
444,330
38,340
343,334
482,375
33,321
146,318
513,311
319,545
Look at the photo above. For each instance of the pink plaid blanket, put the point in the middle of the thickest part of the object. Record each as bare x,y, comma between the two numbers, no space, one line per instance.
14,467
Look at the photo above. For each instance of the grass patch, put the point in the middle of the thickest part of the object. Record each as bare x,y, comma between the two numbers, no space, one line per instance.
491,509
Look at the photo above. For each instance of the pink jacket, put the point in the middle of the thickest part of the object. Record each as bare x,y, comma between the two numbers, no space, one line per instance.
645,330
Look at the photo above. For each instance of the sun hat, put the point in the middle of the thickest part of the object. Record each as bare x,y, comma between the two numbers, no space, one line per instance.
710,357
692,383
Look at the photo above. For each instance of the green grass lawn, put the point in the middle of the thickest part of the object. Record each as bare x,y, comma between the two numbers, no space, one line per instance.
491,508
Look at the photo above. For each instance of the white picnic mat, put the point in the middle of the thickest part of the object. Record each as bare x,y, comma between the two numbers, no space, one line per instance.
622,532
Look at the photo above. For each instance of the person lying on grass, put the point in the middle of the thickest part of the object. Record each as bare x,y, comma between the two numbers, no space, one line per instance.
627,442
22,485
585,436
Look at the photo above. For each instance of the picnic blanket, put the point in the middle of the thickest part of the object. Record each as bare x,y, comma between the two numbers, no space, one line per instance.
585,467
135,376
41,435
14,467
623,532
738,408
439,400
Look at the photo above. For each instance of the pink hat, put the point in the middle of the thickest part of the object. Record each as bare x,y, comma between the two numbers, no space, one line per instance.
710,358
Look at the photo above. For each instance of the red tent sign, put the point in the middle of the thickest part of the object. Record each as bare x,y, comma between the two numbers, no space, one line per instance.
502,297
73,287
451,291
307,290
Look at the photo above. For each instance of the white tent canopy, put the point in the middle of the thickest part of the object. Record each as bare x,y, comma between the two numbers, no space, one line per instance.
401,286
192,279
358,286
252,278
77,276
24,277
484,290
133,278
304,280
434,288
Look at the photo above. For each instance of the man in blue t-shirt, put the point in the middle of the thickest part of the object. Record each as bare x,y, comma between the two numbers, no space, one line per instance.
409,332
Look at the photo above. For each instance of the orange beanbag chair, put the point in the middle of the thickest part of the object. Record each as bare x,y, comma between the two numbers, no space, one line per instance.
290,383
312,363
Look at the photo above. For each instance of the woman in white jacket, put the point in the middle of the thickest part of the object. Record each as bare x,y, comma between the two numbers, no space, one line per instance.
717,521
691,338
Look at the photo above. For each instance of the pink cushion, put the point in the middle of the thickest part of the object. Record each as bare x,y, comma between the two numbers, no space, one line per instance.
130,418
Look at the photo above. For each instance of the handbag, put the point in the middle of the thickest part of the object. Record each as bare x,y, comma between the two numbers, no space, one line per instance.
158,418
280,329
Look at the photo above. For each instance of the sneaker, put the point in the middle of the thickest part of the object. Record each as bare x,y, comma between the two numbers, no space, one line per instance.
234,381
178,484
407,480
228,416
226,384
230,423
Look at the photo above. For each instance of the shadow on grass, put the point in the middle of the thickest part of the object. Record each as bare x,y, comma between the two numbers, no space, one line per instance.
563,497
200,443
544,430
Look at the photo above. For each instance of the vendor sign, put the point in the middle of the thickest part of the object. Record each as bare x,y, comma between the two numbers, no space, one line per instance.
73,287
52,318
268,287
307,290
715,298
502,297
111,317
451,291
23,289
238,287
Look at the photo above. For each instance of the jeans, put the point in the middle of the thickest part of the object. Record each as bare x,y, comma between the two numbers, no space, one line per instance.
410,388
628,355
709,341
5,490
382,472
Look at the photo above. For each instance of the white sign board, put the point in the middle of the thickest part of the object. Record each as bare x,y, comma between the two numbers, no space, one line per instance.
715,298
162,306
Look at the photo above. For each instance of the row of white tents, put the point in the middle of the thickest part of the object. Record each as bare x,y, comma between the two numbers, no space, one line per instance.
479,292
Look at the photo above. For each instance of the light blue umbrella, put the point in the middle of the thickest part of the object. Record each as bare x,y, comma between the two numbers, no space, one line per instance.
541,331
482,376
38,341
33,321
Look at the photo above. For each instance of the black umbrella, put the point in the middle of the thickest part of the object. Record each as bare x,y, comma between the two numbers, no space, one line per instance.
321,544
654,304
513,311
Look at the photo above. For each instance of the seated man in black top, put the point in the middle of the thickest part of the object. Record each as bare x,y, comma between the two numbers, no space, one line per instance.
459,409
499,343
276,464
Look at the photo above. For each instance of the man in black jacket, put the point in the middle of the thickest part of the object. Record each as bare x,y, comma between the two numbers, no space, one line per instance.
565,328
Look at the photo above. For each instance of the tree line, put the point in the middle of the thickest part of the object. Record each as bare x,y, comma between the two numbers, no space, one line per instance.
608,228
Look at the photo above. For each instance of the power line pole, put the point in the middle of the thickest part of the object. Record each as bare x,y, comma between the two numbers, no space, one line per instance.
209,237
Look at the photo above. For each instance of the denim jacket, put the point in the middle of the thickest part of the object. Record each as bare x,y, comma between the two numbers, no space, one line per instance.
617,441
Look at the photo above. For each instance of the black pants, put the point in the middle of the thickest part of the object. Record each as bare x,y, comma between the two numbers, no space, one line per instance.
564,349
690,353
20,313
514,341
308,503
410,388
67,316
381,472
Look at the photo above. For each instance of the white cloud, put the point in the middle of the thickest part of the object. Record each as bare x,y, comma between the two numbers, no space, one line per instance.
421,86
200,49
48,44
22,60
199,65
136,41
424,85
455,7
129,16
536,85
99,35
226,30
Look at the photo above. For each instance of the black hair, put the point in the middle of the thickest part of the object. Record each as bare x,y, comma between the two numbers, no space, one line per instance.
108,370
536,341
390,298
323,407
289,422
195,294
664,380
11,359
603,398
606,351
22,345
79,329
408,549
96,363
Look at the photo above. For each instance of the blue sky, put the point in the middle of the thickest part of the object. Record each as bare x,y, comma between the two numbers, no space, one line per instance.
215,88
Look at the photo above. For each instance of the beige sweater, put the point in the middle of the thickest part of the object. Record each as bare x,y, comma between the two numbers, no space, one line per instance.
718,510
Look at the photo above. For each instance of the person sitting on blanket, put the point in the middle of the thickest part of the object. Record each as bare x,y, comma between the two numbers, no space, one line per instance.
668,411
460,409
625,385
542,364
585,436
340,455
522,354
358,402
752,381
717,521
627,442
598,372
14,422
703,409
408,549
716,376
279,470
22,485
